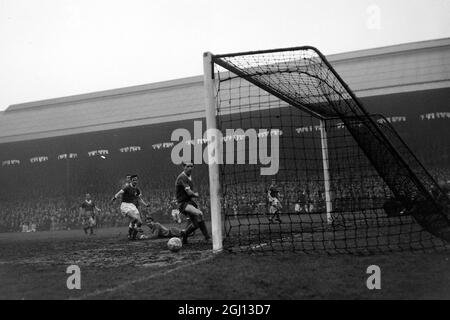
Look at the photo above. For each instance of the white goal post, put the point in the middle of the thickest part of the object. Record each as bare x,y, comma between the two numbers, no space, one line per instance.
214,180
326,170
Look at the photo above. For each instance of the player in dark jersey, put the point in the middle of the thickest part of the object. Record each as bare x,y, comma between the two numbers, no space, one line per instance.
87,213
274,202
184,191
130,196
300,205
131,226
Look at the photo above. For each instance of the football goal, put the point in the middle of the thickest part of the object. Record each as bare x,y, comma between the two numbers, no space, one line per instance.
296,163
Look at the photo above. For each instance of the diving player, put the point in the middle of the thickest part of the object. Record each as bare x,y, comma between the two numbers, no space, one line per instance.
157,230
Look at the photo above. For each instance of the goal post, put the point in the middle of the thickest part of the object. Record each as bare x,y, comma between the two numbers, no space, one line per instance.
343,181
213,166
326,171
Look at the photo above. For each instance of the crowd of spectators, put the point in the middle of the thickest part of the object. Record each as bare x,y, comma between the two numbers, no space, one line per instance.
61,212
23,208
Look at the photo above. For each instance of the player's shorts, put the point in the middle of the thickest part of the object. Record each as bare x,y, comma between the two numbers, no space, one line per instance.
92,222
182,206
129,210
275,205
195,218
88,220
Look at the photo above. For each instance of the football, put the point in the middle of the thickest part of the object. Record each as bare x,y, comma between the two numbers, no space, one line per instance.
174,244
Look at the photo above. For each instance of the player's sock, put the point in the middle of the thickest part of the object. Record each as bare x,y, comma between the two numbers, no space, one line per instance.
130,232
185,233
134,235
134,230
204,230
183,236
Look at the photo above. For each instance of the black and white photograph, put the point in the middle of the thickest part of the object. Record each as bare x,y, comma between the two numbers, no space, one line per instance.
224,156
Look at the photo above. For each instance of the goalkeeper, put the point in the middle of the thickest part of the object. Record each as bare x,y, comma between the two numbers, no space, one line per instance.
274,202
157,230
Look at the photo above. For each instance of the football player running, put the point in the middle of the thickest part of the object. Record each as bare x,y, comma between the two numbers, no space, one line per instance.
131,195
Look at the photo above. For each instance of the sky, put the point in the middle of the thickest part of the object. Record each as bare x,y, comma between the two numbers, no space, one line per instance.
57,48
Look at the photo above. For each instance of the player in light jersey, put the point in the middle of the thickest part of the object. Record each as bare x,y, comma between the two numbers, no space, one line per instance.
274,202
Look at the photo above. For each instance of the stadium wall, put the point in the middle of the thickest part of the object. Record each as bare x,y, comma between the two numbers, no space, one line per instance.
421,118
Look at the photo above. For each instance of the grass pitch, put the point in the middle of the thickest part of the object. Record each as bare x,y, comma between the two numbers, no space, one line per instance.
33,266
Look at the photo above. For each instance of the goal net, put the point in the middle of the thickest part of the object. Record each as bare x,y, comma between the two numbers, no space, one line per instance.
304,167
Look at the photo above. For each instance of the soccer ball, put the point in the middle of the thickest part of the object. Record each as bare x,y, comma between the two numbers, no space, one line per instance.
174,244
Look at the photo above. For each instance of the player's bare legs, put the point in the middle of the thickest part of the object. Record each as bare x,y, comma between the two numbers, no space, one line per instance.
275,210
275,204
136,224
92,224
275,216
197,221
130,230
131,196
185,194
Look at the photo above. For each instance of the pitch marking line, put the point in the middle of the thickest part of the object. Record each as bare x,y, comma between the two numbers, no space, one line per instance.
143,279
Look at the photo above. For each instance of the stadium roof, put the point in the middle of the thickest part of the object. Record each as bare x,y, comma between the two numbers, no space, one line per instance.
401,68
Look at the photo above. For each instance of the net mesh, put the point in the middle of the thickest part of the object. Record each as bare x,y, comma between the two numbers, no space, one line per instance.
343,179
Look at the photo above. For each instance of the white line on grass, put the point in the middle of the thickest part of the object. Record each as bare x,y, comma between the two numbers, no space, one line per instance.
142,279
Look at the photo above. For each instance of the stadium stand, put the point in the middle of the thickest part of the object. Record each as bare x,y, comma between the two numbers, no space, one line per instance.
51,151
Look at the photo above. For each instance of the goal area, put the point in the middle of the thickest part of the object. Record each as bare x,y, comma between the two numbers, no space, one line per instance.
300,165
